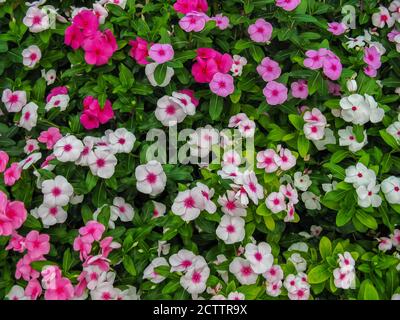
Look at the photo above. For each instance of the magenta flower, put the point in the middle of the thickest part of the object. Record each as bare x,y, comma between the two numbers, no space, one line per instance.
139,50
86,21
275,93
56,91
222,84
73,37
93,115
161,53
337,28
99,48
269,69
287,5
50,137
372,57
3,160
187,6
370,71
260,31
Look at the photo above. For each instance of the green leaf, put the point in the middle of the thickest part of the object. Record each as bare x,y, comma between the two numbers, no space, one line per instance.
39,89
303,145
67,260
129,265
368,291
296,121
389,139
325,247
366,219
216,106
269,222
125,76
339,155
160,73
344,216
358,131
319,274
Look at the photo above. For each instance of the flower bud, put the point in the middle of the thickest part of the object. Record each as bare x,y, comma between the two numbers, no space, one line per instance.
351,85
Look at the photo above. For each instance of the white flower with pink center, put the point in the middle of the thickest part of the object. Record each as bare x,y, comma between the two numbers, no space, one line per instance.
151,178
159,209
14,101
100,12
231,172
31,56
102,164
50,76
235,120
120,140
29,116
231,158
360,175
302,181
259,256
391,189
253,189
231,229
182,260
315,117
231,205
290,193
195,279
188,204
83,159
343,278
273,289
94,276
242,270
382,18
348,138
59,101
68,148
207,194
395,237
121,3
247,128
51,215
30,160
31,145
285,159
266,160
150,273
275,202
273,274
104,291
237,65
202,140
17,293
235,295
186,103
36,20
56,192
121,209
394,130
313,132
169,111
346,261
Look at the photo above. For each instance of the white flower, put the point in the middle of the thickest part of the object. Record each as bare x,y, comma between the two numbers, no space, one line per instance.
60,101
120,140
247,128
121,3
274,274
150,274
68,148
391,189
253,189
17,293
102,163
313,132
207,194
231,172
302,182
311,201
182,260
188,204
31,159
329,138
151,178
159,209
129,294
194,281
231,206
50,76
186,102
369,196
51,215
359,175
29,116
276,202
235,295
237,65
298,261
231,158
347,138
122,209
31,56
202,140
259,256
36,20
100,12
104,291
352,85
394,130
14,101
169,111
355,109
375,114
231,229
242,270
290,193
385,244
285,159
346,261
273,289
31,145
150,69
56,192
343,279
379,19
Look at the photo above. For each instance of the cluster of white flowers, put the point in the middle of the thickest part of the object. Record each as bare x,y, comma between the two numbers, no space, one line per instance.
172,110
237,65
359,109
315,123
345,275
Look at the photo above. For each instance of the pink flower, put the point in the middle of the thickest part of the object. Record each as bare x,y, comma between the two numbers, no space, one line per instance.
24,269
314,59
332,67
190,93
49,275
62,290
56,91
12,215
33,290
275,93
12,174
260,31
107,245
92,231
370,71
299,89
16,243
221,21
269,69
4,158
186,6
99,48
193,21
288,5
73,37
204,70
50,137
84,247
139,50
266,160
14,101
161,53
222,84
93,115
37,244
337,28
372,57
86,21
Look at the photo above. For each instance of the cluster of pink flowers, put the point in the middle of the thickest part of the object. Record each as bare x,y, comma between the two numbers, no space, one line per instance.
93,114
372,58
99,46
212,67
57,98
276,201
325,59
387,243
139,50
271,160
12,215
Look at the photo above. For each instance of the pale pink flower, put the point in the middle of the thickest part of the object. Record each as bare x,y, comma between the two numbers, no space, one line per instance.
231,206
14,101
243,271
37,244
36,19
299,89
266,160
222,84
260,31
150,274
182,260
231,229
247,128
50,137
275,93
290,193
385,244
193,21
274,274
151,178
31,56
221,21
269,69
276,202
337,28
287,5
161,53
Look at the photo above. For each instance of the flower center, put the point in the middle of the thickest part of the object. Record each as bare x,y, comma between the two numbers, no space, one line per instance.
100,163
230,228
151,178
189,202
